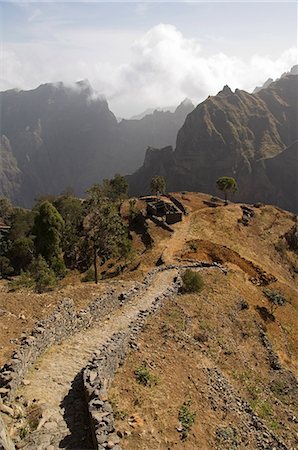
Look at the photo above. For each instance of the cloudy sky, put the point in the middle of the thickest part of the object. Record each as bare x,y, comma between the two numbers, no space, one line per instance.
149,54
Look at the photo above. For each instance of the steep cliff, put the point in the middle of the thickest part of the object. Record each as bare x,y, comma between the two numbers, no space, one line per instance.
57,136
230,134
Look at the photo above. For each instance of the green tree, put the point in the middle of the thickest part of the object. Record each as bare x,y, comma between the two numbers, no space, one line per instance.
116,189
48,228
71,210
227,184
21,254
158,185
105,230
21,221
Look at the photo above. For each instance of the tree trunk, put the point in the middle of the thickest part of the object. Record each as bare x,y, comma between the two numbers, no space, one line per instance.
226,198
95,265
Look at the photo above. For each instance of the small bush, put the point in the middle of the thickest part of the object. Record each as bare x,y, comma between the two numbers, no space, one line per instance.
5,267
192,281
89,275
193,246
43,275
119,414
143,376
187,419
25,280
275,299
58,266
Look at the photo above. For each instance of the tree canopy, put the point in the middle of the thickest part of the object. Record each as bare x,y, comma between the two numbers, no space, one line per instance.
227,184
48,227
105,230
158,185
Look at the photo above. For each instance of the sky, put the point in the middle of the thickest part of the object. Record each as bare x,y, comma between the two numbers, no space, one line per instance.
150,54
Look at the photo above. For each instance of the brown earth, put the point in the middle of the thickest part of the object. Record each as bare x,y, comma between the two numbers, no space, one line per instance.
206,349
20,310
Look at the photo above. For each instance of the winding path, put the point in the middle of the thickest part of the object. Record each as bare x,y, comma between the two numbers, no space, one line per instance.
55,382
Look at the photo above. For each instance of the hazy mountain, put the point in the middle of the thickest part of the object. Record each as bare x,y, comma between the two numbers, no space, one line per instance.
10,176
154,130
236,134
151,111
265,85
57,136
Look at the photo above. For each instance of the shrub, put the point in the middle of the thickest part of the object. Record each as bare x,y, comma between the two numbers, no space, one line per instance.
187,418
89,275
275,299
5,267
193,246
25,280
43,275
21,254
192,281
143,376
58,266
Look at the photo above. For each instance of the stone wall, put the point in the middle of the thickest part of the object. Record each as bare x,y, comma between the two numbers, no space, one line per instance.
100,373
64,321
177,203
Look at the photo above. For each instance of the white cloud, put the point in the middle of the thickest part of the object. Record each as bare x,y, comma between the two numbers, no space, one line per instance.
134,72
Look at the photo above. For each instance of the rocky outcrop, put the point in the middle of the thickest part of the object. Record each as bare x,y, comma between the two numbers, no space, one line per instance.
10,175
158,129
237,134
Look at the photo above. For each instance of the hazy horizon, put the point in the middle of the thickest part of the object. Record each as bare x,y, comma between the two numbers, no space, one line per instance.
144,55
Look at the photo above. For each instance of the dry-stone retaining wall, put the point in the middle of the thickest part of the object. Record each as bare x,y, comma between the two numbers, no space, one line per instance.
100,372
64,321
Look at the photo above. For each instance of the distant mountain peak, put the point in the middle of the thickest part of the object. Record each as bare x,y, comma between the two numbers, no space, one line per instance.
294,70
186,101
185,105
85,85
264,86
226,90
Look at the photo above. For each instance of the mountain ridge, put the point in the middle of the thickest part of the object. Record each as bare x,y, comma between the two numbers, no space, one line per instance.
228,134
59,136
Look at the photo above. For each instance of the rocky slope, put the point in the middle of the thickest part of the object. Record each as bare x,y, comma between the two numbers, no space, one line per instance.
233,134
155,130
214,350
56,136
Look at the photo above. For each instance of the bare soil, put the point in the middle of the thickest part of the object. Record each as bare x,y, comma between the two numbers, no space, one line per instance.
204,348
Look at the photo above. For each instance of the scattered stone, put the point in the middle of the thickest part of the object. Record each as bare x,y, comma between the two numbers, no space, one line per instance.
6,409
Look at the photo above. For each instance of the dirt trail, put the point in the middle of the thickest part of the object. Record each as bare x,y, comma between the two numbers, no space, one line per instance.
176,241
55,381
